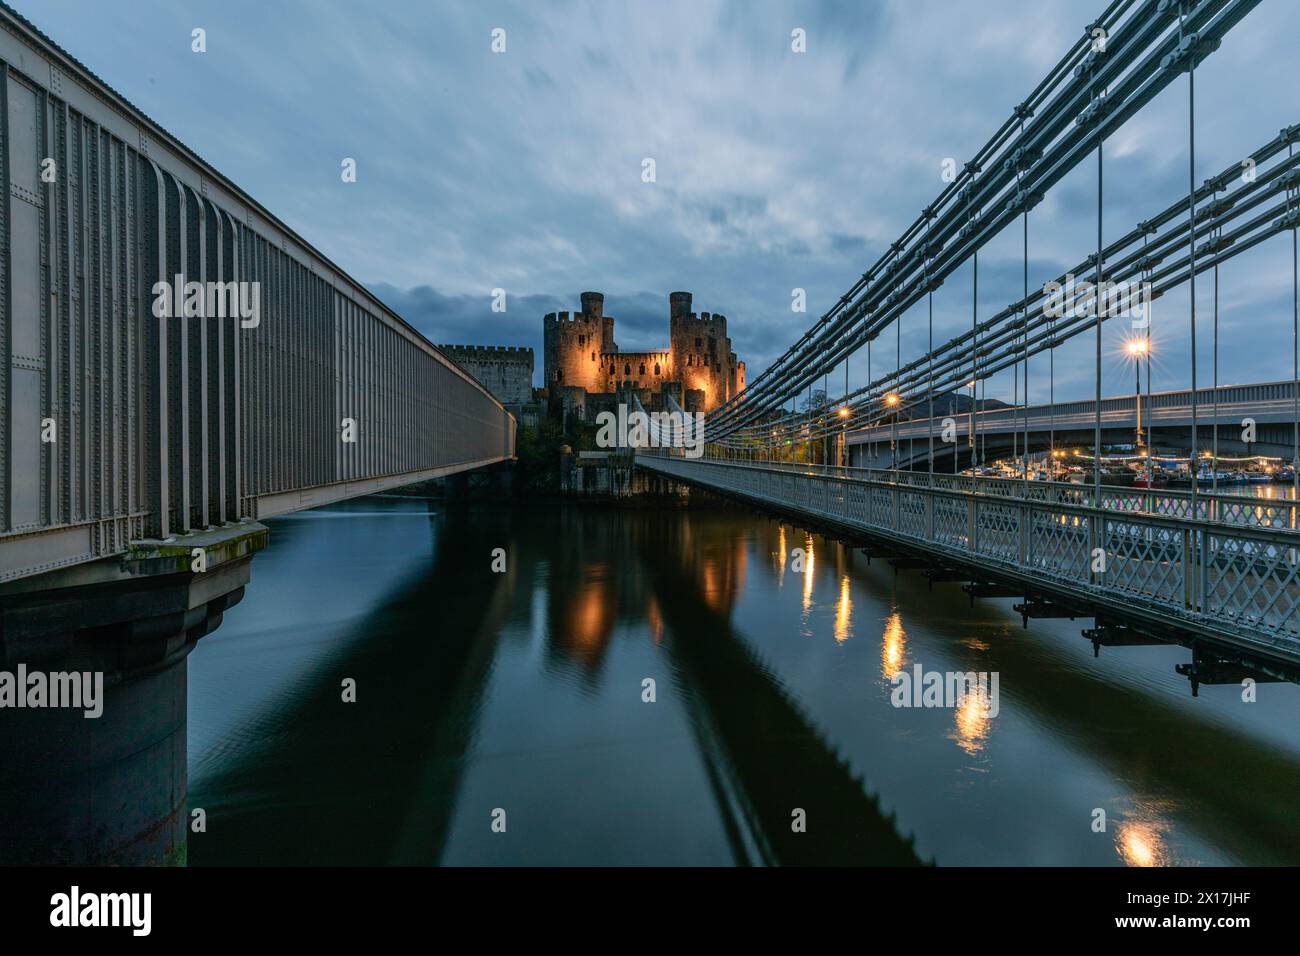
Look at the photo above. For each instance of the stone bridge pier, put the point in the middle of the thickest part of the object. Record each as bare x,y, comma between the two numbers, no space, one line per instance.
104,783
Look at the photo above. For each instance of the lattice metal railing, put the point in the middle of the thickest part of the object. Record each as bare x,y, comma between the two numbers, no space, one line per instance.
1210,507
1240,581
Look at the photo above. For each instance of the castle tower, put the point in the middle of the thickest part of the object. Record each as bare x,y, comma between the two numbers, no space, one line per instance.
679,306
593,304
701,352
574,346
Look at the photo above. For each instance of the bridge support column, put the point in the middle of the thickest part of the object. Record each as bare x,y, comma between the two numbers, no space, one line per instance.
500,477
104,782
456,486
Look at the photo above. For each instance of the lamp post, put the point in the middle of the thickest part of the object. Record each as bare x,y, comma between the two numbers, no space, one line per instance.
844,437
891,401
1139,349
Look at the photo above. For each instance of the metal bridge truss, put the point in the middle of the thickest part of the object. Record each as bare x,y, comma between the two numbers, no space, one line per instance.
118,426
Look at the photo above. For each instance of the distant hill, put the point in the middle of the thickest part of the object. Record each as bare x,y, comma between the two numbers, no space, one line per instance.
956,403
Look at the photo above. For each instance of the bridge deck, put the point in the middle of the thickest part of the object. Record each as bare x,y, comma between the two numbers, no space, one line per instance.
1222,569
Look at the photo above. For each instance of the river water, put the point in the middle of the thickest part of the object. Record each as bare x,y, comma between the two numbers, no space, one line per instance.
505,718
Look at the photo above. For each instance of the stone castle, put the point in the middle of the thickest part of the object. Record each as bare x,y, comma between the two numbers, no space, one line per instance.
585,372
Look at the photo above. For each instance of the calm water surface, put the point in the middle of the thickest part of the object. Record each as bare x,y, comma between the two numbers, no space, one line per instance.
523,692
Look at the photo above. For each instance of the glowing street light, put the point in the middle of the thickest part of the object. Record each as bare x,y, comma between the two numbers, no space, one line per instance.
1139,349
891,400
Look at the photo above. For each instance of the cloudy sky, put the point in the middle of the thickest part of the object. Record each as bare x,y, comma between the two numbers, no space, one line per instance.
775,170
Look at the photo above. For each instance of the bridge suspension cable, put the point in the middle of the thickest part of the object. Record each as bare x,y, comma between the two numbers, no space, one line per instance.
1225,221
1140,56
848,308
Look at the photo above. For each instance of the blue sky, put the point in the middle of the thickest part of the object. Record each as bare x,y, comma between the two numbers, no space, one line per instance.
774,170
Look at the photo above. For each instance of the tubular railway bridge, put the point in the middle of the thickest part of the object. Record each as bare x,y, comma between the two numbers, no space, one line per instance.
141,442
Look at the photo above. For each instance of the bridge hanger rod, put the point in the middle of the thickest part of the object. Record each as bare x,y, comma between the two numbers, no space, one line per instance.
1175,275
1295,347
1067,63
1191,251
1116,118
1065,156
1217,212
1175,271
1236,242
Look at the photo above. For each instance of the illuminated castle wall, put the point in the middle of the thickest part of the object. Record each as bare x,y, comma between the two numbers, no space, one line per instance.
581,358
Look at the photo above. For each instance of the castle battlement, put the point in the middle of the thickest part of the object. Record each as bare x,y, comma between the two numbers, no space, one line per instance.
555,318
506,352
713,320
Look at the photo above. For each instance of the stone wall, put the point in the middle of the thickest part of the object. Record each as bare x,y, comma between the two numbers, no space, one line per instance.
506,372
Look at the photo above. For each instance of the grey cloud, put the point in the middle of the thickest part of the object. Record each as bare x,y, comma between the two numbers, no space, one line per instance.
776,170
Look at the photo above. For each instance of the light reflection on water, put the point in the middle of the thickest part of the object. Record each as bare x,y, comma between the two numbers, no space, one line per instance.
893,647
973,721
844,611
527,690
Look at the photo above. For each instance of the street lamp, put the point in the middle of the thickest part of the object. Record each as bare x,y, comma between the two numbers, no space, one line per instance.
891,401
1140,349
844,437
1058,456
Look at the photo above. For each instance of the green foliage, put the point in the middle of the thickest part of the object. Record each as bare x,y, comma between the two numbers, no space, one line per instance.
537,470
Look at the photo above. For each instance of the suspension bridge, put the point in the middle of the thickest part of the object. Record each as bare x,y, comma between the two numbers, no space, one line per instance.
1217,571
